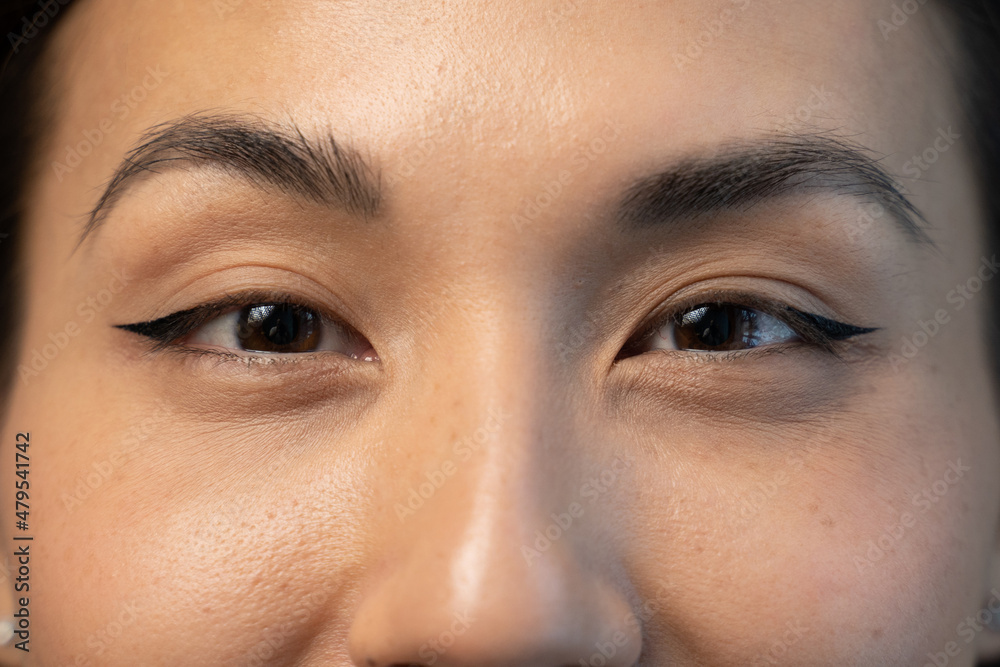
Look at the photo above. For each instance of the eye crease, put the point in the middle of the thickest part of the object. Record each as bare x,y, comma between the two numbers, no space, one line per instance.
253,323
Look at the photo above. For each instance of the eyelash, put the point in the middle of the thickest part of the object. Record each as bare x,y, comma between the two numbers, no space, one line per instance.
815,330
165,331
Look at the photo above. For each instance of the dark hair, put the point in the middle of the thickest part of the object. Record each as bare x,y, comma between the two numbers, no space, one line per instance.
27,25
977,26
24,114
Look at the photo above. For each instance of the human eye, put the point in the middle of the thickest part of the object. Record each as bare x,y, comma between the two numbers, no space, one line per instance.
735,323
254,324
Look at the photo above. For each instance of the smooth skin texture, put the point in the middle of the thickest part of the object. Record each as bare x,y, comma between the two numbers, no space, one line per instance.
715,510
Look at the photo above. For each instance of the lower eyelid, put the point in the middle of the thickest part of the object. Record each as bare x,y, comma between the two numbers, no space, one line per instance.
722,356
218,356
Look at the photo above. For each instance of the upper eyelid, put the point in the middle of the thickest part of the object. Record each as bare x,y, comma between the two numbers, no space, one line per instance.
230,302
191,319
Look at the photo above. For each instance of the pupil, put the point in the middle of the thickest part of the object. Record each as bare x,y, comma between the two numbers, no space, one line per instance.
712,325
280,326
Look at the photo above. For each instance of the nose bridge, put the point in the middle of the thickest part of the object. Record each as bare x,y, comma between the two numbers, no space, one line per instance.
474,434
489,413
476,486
499,426
461,580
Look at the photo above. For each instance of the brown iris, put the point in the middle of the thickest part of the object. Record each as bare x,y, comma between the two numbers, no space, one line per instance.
279,327
716,327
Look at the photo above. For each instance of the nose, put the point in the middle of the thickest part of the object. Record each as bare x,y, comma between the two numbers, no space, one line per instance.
499,566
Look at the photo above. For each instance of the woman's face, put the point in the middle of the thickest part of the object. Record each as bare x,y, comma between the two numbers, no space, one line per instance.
468,391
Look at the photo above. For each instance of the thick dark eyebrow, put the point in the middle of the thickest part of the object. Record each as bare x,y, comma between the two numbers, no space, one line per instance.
740,175
263,153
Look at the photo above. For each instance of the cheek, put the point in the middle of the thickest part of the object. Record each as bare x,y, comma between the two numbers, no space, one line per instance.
163,537
865,539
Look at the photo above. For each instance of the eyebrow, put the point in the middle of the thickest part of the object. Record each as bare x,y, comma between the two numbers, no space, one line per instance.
258,151
741,175
736,176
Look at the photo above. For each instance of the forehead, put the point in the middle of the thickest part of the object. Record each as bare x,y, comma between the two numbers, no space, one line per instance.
518,82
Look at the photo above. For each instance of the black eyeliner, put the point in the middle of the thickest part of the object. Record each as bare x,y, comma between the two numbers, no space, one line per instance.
165,330
816,330
829,330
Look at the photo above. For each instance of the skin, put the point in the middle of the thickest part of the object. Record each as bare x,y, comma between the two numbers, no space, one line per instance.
741,496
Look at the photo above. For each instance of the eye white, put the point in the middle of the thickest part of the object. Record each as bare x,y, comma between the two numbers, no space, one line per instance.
221,331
